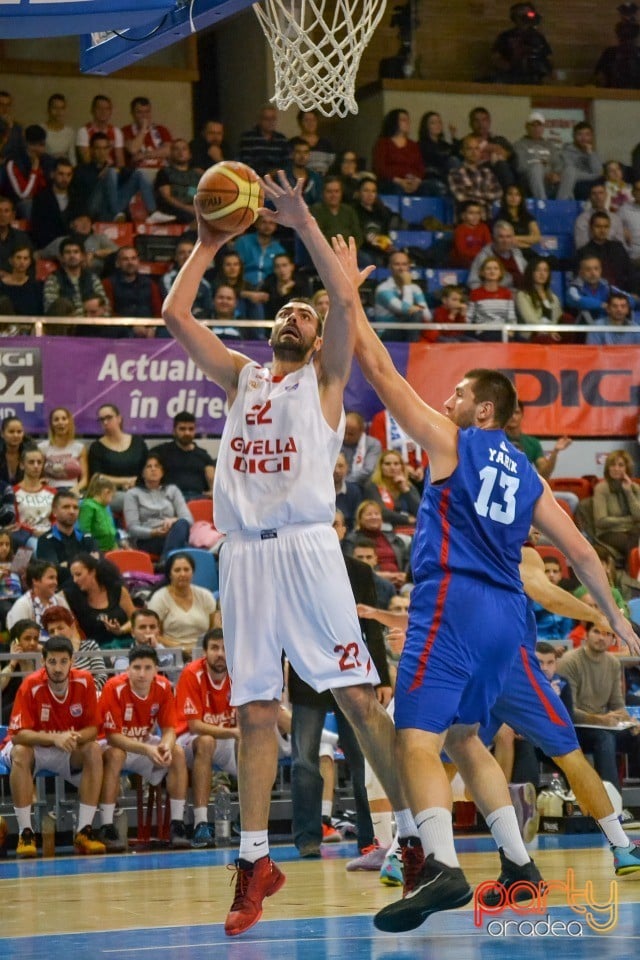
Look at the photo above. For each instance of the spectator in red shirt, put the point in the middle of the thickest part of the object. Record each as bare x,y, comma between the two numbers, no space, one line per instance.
470,236
26,175
146,143
397,161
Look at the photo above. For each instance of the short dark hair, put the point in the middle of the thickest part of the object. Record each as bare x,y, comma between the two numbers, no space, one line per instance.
185,416
70,242
139,102
496,387
542,646
143,651
98,135
59,644
34,133
215,633
56,96
98,97
62,162
365,542
599,215
143,612
19,628
36,570
63,495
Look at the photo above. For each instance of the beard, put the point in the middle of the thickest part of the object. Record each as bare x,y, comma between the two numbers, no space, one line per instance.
291,350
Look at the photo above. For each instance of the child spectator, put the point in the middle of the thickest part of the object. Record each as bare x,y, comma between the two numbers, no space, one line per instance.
470,236
618,190
453,309
491,302
95,513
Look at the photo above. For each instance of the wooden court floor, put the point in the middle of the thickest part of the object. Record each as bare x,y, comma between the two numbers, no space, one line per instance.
171,906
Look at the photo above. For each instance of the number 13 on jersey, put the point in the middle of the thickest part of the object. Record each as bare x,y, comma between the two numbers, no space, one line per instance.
497,496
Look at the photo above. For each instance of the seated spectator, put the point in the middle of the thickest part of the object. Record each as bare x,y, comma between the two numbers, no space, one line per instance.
391,436
176,184
209,146
473,180
580,164
51,208
66,465
391,487
142,694
225,307
618,190
376,220
146,143
53,727
283,285
185,610
257,251
539,160
97,246
95,516
24,638
360,450
398,299
72,281
320,303
118,455
348,493
202,307
364,550
65,540
27,174
10,237
495,151
132,293
33,498
618,314
439,156
595,678
263,148
322,150
7,509
492,301
333,215
101,112
537,303
10,584
616,505
504,249
545,463
550,625
42,592
100,602
617,268
347,166
12,139
392,551
298,169
397,161
453,308
18,285
186,465
145,630
250,298
60,622
61,139
598,201
105,191
156,516
12,436
208,729
589,292
470,236
513,210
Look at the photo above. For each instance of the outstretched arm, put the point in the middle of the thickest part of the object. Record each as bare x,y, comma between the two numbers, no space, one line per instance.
551,597
430,429
203,346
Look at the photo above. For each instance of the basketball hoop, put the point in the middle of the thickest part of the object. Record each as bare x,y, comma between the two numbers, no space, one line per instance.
316,59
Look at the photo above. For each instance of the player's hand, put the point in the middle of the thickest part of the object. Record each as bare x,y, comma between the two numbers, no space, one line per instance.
67,741
365,611
383,695
347,254
563,442
290,207
157,756
208,237
627,634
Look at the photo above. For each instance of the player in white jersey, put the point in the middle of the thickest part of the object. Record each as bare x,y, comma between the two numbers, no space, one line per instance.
283,581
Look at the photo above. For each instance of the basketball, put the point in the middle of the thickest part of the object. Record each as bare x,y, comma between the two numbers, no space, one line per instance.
229,196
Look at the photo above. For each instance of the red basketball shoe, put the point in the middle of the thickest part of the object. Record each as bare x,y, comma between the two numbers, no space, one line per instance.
254,882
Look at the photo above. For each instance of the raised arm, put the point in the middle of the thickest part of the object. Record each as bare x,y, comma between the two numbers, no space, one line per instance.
434,432
549,595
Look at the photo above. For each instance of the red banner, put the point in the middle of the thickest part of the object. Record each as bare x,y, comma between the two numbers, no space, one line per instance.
578,390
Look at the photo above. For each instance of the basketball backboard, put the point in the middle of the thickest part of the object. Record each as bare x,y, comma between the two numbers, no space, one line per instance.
53,18
104,52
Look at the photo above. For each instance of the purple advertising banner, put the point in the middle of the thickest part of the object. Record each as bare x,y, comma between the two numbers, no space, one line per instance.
148,380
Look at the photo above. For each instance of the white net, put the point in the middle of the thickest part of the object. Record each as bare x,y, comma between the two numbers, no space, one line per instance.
316,49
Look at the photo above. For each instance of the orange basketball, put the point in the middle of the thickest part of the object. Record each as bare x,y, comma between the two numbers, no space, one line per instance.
229,196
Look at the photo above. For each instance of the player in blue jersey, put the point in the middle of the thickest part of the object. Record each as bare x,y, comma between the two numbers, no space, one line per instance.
467,618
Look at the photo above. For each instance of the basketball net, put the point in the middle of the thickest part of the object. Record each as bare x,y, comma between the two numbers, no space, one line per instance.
316,47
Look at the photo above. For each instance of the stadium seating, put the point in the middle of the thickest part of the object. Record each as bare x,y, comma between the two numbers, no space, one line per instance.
578,485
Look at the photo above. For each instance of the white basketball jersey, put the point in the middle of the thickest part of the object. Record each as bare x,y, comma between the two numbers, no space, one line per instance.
277,454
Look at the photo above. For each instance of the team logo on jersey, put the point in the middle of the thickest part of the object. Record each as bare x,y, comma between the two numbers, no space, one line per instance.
109,721
291,387
504,447
253,384
75,709
128,713
155,709
45,710
189,706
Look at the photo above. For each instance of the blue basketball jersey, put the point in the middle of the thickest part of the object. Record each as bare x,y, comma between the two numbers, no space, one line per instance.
475,522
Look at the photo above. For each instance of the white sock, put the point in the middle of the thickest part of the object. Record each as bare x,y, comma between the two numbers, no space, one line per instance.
23,816
107,813
199,815
395,847
503,824
612,829
85,816
253,845
383,826
435,829
327,807
177,809
405,824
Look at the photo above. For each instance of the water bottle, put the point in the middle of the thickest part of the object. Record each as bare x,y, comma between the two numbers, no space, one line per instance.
222,816
121,822
49,835
556,789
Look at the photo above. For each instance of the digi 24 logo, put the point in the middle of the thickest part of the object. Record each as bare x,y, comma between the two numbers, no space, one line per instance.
20,380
